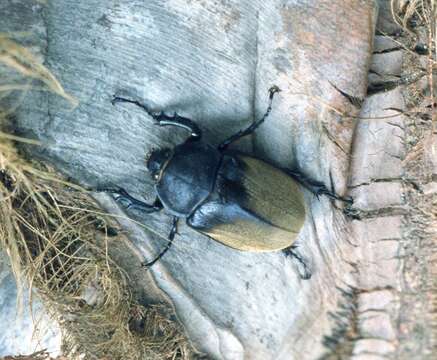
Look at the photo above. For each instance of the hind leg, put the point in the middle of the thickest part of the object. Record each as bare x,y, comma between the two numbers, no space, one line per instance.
169,243
317,188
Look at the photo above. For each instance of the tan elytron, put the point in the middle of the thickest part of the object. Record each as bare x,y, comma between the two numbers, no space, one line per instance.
274,210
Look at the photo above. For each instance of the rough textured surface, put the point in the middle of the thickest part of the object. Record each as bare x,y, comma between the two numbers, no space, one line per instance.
213,61
23,332
395,233
375,158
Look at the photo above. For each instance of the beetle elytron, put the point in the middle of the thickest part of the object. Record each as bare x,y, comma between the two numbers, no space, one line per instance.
234,198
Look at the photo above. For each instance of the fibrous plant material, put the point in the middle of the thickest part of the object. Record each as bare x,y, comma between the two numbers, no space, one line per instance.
57,241
29,68
417,306
418,18
39,355
417,320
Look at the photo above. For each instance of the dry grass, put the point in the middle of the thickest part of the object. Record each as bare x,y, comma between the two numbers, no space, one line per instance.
51,235
418,18
39,355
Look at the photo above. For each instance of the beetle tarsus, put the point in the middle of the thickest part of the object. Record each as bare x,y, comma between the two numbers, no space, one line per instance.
352,212
132,203
322,190
171,236
304,269
250,129
119,99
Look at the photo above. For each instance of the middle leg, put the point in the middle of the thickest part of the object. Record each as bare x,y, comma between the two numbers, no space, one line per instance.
169,243
132,203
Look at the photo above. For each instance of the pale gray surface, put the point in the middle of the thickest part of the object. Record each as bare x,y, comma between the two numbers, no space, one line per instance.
20,332
377,174
214,61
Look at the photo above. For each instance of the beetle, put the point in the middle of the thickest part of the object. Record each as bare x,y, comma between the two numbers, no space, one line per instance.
234,198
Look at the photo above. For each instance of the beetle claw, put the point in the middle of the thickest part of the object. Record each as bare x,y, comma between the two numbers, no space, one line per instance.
113,100
145,265
116,99
156,116
303,268
351,212
348,199
273,90
306,273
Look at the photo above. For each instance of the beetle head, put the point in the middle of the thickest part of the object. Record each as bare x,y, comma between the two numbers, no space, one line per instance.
155,161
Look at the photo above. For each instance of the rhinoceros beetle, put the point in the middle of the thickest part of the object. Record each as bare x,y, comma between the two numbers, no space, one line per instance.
234,198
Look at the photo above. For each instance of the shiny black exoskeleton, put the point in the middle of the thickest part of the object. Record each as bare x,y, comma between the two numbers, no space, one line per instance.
236,199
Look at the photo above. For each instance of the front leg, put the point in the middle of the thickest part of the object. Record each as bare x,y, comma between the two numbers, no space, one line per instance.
132,203
162,119
147,208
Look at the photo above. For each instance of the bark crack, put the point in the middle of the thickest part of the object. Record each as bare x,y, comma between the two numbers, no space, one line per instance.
361,214
389,50
379,180
340,342
255,77
354,100
332,138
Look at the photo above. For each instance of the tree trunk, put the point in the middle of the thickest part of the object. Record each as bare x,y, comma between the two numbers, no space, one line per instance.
372,292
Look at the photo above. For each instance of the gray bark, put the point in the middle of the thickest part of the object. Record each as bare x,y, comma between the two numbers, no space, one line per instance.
23,329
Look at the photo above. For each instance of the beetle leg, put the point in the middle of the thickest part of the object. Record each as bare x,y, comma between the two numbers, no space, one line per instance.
317,188
304,270
162,119
165,120
132,203
169,243
250,129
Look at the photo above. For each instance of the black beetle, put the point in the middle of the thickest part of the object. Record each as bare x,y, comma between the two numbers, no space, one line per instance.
234,198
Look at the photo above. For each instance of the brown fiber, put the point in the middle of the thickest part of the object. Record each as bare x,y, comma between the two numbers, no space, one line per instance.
56,242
